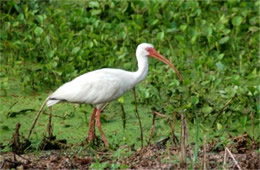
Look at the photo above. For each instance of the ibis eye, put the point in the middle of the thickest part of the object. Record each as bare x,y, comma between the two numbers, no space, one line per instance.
148,49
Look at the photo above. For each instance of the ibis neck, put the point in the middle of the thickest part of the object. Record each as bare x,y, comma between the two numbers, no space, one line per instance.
142,71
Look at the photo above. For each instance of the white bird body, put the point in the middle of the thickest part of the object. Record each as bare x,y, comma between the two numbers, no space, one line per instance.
100,86
104,85
96,87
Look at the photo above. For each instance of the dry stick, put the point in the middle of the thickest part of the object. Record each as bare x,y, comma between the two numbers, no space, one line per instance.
152,129
36,118
186,131
22,157
225,159
104,106
186,137
183,147
123,115
62,117
172,126
49,127
253,125
204,162
235,161
161,115
13,105
3,164
139,120
16,137
222,109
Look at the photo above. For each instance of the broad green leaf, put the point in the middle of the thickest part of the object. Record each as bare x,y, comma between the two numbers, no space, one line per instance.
3,34
160,35
154,22
237,20
220,56
220,66
75,50
40,19
194,100
38,40
90,44
93,4
15,24
254,29
47,40
224,40
207,109
183,27
95,12
121,99
123,34
223,19
257,3
50,54
219,126
208,31
38,31
54,64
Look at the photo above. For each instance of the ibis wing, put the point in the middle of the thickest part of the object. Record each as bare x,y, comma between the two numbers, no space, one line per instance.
92,90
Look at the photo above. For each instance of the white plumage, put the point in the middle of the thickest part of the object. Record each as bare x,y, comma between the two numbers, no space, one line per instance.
102,86
95,87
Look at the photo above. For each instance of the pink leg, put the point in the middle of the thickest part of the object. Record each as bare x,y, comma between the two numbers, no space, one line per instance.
91,131
99,127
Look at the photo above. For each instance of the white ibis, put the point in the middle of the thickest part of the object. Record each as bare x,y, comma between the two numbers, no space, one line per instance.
102,86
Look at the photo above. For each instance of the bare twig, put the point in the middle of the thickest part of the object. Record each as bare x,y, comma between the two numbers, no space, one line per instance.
222,110
183,147
123,115
3,164
152,129
104,106
253,125
16,138
231,155
173,126
58,116
36,117
186,131
161,115
28,161
225,159
49,127
13,105
139,120
204,161
15,160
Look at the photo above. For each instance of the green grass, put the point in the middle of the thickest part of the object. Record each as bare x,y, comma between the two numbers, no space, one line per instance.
74,125
44,44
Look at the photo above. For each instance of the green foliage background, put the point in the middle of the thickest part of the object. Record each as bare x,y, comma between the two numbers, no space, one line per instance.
214,44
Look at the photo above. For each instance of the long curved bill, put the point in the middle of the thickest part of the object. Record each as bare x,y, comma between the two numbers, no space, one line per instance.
158,56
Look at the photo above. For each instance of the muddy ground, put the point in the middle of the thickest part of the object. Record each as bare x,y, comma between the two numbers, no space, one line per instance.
242,153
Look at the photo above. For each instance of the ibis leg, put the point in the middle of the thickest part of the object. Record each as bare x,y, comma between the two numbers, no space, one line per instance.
98,114
91,132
